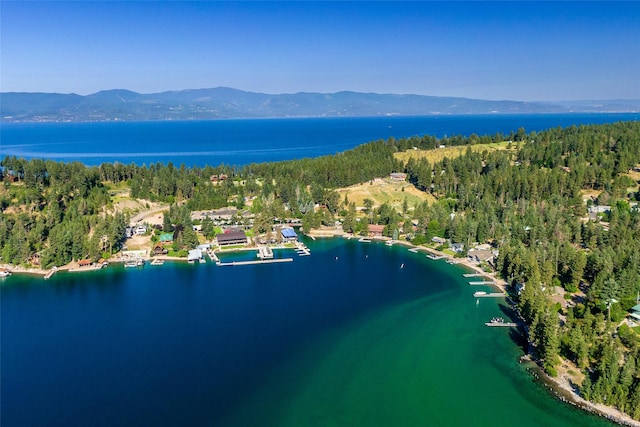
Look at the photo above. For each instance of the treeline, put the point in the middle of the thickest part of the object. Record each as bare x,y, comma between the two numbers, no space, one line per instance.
527,201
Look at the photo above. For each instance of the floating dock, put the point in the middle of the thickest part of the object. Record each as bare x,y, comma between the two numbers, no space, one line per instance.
485,282
414,250
265,261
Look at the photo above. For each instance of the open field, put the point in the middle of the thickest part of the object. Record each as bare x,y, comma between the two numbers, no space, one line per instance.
385,191
437,154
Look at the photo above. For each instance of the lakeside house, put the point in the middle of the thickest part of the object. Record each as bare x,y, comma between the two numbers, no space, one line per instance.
635,312
457,247
480,255
232,237
159,249
438,240
375,230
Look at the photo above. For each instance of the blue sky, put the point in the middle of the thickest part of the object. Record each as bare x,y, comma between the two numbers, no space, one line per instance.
540,51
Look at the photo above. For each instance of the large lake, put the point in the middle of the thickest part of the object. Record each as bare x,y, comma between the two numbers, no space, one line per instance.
239,142
357,334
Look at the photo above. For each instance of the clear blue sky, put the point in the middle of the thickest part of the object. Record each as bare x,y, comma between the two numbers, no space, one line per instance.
541,51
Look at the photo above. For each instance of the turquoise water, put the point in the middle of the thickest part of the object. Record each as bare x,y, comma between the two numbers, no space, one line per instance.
344,337
239,142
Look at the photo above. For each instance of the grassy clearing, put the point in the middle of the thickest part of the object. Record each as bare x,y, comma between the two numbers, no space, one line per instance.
437,154
385,191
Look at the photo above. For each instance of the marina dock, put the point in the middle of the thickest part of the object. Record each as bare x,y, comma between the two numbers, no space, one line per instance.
302,249
265,261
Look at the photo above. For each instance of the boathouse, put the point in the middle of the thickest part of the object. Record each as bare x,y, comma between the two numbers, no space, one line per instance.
288,235
232,237
84,263
375,230
194,255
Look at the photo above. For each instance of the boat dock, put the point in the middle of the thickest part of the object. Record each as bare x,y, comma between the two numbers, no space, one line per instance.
489,295
213,255
265,252
473,275
302,249
486,282
434,257
414,250
264,261
503,324
50,273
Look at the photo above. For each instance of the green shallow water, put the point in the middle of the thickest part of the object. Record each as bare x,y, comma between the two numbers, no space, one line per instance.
344,337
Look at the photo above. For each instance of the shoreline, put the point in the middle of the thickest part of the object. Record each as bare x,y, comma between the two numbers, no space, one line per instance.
560,387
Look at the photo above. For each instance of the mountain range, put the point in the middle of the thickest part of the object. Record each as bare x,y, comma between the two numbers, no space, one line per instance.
222,102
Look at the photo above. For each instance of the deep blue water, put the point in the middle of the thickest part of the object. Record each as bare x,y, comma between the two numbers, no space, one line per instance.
239,142
357,334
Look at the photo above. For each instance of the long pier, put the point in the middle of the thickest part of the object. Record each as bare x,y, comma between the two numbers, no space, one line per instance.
485,282
265,261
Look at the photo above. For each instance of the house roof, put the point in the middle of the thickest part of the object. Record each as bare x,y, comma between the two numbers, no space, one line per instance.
231,236
288,233
194,254
636,308
376,228
166,237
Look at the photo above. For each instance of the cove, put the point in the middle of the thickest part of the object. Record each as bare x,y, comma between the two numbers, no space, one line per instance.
342,337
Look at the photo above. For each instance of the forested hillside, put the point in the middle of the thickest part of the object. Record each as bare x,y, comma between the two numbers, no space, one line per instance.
529,201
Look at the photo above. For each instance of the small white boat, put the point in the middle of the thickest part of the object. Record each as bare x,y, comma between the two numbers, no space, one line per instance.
5,273
476,294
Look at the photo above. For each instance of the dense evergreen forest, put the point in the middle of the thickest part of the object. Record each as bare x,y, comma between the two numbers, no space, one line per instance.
527,201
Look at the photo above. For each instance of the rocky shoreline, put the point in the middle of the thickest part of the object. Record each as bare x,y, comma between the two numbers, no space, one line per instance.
564,391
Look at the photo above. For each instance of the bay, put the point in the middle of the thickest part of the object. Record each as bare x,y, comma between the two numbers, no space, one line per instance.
240,142
355,334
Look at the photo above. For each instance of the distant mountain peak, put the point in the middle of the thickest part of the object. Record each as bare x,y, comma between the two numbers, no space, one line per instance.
226,102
